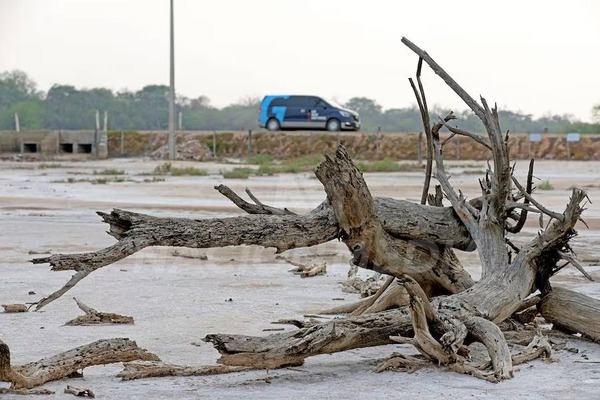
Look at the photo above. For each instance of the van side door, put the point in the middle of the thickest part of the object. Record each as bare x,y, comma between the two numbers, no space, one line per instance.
297,113
318,113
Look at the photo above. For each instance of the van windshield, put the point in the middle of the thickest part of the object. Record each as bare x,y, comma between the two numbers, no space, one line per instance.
334,104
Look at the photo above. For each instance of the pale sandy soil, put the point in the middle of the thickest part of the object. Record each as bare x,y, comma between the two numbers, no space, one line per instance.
177,301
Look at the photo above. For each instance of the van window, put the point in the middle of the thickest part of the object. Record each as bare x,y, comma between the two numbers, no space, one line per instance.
322,104
278,102
299,101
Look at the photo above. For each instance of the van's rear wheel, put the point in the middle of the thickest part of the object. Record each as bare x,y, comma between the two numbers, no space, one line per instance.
273,125
333,125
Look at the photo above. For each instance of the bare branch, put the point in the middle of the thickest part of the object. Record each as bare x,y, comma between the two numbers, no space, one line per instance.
533,201
523,217
573,261
461,132
258,208
473,105
421,101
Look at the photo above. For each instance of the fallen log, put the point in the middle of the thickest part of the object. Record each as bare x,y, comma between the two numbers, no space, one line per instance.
155,369
426,224
106,351
292,348
572,311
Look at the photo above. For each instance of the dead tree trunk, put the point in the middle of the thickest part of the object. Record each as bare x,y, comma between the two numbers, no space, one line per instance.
425,229
406,241
441,329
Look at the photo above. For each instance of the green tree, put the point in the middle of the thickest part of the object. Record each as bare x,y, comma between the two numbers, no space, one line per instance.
596,113
198,114
151,107
15,87
30,115
369,110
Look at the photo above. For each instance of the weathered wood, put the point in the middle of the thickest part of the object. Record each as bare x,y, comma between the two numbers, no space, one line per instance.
291,348
106,351
79,392
505,283
154,369
14,308
426,226
257,208
572,311
25,392
409,240
307,271
372,247
95,317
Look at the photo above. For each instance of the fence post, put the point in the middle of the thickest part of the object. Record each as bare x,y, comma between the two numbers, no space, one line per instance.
214,144
249,142
180,120
420,149
17,123
378,142
122,143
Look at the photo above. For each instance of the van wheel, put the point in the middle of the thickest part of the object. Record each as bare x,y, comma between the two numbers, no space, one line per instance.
333,125
273,125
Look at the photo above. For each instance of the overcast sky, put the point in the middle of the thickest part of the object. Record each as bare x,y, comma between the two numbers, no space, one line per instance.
537,57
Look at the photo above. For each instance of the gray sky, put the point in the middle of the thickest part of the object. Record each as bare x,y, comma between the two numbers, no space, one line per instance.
536,57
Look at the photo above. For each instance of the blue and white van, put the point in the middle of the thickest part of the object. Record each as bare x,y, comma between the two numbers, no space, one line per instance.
305,112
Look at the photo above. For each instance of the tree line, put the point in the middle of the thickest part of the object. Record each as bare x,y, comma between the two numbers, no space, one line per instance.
66,107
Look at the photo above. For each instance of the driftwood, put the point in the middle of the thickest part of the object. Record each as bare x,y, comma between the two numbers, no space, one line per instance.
94,317
291,348
79,392
307,271
71,362
572,311
25,392
441,308
154,369
15,308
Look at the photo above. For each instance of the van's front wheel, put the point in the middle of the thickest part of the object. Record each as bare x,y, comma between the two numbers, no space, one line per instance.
333,125
273,125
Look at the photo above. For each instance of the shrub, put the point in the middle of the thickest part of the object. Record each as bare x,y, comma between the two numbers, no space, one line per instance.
301,164
545,185
109,171
191,171
51,165
386,165
238,173
260,159
168,169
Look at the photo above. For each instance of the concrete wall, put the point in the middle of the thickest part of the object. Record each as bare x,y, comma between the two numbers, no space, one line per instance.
55,142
